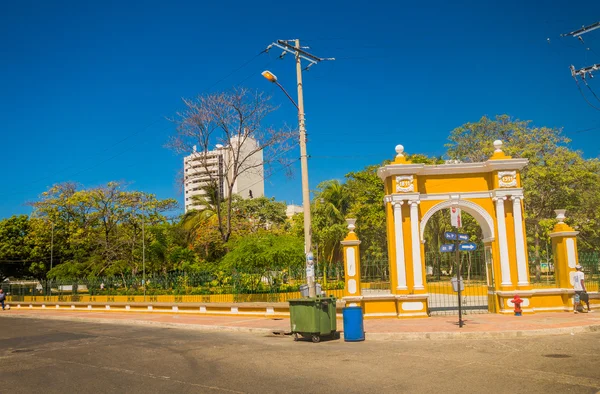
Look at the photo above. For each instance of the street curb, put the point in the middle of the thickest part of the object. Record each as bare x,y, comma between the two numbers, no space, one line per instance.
449,335
377,336
123,322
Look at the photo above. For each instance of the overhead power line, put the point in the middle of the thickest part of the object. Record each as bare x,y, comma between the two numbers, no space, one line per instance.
584,72
579,32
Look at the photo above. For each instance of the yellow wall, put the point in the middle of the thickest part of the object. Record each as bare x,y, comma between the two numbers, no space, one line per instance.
454,183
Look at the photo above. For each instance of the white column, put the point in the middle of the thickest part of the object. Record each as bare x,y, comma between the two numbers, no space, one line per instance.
502,242
416,245
520,241
399,235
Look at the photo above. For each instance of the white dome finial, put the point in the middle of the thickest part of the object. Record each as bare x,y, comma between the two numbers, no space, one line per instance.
560,215
399,151
498,145
351,224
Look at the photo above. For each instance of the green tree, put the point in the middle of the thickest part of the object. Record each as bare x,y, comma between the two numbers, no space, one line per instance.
367,192
96,231
234,120
15,251
262,213
556,177
265,251
331,206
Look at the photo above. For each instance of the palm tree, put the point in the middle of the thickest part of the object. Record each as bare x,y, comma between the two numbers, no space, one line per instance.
332,204
194,218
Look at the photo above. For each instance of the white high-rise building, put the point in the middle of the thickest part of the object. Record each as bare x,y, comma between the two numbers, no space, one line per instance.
200,168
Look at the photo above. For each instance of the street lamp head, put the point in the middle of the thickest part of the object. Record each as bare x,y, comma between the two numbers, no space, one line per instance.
269,75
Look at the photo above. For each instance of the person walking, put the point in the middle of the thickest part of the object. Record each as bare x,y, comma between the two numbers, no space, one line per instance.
2,298
580,291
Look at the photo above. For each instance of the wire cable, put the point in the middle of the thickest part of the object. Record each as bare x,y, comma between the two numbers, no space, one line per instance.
237,69
591,90
585,98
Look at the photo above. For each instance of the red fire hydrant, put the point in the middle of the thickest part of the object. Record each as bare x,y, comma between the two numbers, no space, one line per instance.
517,302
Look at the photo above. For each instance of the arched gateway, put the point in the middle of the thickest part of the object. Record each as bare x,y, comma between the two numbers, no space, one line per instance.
490,191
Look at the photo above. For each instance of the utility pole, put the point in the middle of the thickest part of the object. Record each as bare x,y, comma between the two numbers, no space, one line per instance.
310,279
299,54
584,72
579,32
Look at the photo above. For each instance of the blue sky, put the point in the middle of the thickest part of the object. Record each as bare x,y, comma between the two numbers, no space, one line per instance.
86,87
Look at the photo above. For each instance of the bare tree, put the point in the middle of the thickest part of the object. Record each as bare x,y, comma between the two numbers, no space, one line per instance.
234,122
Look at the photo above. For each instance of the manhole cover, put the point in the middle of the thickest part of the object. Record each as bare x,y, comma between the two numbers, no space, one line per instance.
557,355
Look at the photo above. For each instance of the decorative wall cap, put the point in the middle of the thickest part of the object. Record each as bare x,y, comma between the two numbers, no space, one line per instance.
400,158
533,293
350,242
498,154
505,164
411,297
564,234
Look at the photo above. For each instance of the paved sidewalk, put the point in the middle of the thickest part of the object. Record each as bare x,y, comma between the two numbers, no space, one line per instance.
440,327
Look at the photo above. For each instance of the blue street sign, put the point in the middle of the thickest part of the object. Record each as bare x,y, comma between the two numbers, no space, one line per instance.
450,235
447,248
469,247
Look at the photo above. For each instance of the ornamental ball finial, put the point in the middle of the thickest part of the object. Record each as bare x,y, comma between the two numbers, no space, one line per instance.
498,145
399,150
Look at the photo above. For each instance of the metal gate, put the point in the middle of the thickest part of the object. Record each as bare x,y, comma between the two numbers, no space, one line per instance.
441,267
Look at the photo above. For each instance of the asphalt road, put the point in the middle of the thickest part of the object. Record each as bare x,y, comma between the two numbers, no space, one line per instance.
73,357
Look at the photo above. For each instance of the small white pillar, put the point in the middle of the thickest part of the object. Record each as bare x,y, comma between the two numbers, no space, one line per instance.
503,242
399,242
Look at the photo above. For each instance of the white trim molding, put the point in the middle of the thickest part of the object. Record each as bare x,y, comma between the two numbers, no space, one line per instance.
482,217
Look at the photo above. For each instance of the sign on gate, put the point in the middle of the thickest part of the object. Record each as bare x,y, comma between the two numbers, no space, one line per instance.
451,236
469,247
455,217
447,248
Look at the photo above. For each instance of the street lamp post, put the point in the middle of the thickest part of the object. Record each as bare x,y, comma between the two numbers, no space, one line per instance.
310,271
141,200
52,247
144,248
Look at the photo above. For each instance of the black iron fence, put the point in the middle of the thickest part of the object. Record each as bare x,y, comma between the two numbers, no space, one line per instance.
219,286
441,268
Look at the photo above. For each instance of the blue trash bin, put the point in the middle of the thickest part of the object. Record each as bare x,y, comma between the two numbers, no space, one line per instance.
353,324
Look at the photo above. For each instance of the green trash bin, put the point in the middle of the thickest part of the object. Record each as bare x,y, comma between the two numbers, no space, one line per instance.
313,318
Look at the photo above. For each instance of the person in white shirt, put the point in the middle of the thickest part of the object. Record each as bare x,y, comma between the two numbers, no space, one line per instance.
580,291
